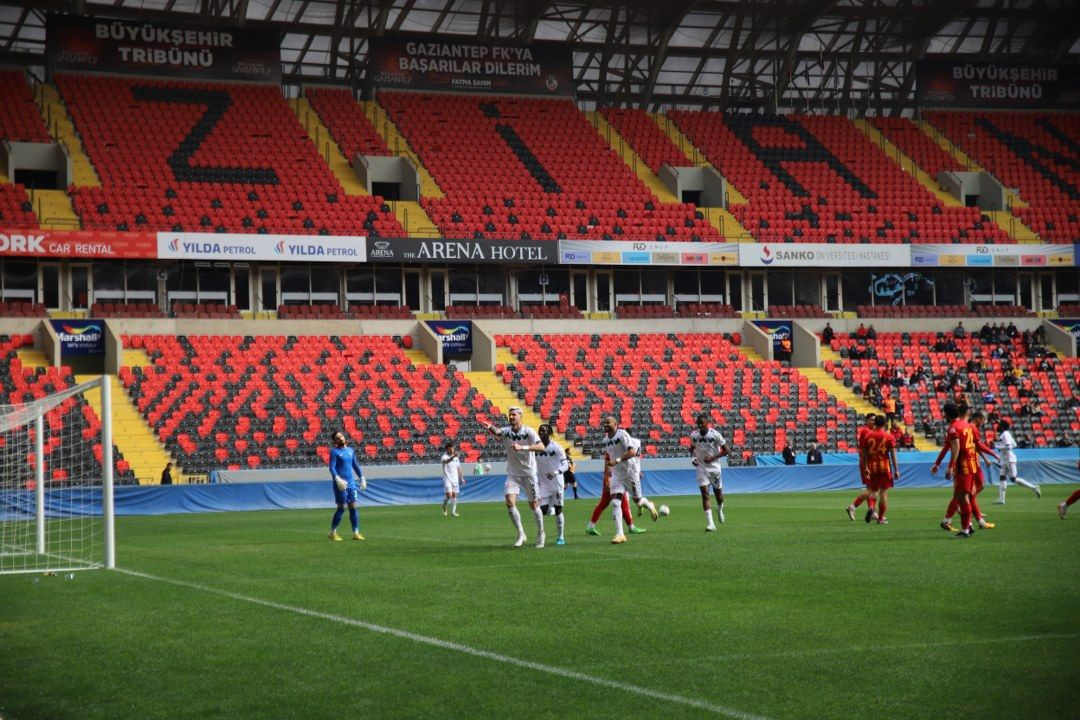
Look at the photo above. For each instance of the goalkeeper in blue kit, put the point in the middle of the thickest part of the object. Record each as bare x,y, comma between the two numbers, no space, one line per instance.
348,481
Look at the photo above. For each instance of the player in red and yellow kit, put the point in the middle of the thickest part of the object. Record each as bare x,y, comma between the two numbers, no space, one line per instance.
866,494
976,421
877,452
963,462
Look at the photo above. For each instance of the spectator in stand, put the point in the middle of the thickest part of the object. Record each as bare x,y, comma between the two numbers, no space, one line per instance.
888,405
1063,442
750,459
1039,336
896,431
1026,441
1011,332
985,332
861,331
813,455
1036,408
907,440
871,333
166,474
828,334
988,397
1025,390
960,332
1070,404
789,454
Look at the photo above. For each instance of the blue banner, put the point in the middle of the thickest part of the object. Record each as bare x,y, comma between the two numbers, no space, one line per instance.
80,337
455,335
780,330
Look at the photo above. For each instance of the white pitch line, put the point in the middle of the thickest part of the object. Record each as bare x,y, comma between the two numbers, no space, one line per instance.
880,648
460,648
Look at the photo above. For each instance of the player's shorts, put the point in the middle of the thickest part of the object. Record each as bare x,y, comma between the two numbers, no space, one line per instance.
880,481
343,497
521,485
980,481
450,486
706,478
549,496
964,484
1008,470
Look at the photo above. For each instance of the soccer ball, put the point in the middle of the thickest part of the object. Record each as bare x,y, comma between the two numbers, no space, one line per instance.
487,468
664,510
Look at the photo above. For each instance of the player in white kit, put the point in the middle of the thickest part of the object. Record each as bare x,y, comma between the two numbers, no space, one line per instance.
1005,444
619,448
520,473
707,447
551,463
452,478
636,482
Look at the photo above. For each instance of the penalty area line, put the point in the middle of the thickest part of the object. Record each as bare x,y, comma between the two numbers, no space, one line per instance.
457,647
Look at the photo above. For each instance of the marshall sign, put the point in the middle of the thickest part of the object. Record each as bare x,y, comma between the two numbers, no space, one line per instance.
462,252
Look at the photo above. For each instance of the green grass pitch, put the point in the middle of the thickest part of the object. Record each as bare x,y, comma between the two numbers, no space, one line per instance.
788,611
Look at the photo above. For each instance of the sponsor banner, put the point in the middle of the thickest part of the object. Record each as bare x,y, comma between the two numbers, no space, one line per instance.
470,252
1071,325
80,337
455,335
77,244
1001,86
607,252
993,255
823,255
780,331
440,63
240,246
152,48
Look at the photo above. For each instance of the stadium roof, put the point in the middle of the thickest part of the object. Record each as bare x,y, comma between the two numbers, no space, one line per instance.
835,56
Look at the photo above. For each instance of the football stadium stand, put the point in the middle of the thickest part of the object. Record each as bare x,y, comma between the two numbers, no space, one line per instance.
346,122
531,168
251,402
1036,153
819,179
1030,388
202,157
655,385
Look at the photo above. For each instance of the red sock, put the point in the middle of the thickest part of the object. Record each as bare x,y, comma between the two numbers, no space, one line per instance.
965,515
881,508
626,516
975,508
1073,498
951,510
605,500
871,502
858,501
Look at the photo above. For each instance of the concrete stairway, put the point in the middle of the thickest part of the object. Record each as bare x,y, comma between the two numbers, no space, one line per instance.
400,146
327,147
906,163
63,131
630,157
54,210
415,220
494,389
834,387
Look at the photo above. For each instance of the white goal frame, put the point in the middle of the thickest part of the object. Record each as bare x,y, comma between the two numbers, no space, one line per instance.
39,558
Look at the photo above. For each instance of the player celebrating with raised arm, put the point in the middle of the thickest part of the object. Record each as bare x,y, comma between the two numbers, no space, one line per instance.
520,473
707,446
551,463
452,478
868,425
1005,445
343,463
877,454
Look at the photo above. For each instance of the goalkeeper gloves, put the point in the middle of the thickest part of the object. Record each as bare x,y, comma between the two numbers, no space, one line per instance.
340,482
363,484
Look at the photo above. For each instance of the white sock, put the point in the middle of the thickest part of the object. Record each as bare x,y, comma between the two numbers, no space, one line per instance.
1024,483
1001,491
590,525
616,514
515,517
453,505
560,522
708,518
647,503
539,515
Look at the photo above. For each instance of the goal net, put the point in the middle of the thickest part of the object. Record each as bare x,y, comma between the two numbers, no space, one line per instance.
56,482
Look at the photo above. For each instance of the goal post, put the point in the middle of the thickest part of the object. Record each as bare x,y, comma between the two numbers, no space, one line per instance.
56,480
